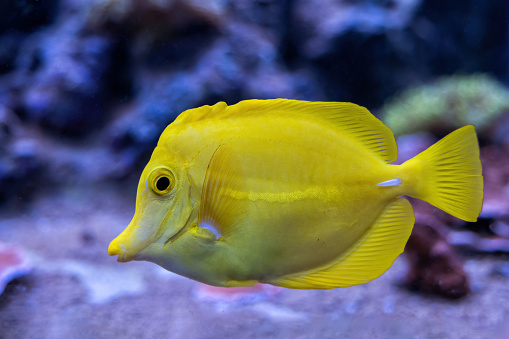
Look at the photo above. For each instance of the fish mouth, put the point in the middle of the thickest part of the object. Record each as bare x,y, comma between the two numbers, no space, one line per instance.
119,249
128,244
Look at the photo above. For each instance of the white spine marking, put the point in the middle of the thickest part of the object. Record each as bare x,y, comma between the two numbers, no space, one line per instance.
211,228
392,182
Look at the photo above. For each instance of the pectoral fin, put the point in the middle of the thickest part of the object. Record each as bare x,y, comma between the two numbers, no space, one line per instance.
370,258
220,213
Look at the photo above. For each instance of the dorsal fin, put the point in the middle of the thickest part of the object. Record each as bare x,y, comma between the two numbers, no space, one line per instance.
354,121
219,211
370,258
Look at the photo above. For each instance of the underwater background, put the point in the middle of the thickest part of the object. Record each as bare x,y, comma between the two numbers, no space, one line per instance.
86,88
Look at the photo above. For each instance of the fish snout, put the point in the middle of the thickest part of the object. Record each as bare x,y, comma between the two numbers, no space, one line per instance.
133,240
117,248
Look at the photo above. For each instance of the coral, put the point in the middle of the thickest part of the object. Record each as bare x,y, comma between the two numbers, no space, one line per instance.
449,103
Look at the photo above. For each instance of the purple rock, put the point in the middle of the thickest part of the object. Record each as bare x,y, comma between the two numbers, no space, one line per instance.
13,264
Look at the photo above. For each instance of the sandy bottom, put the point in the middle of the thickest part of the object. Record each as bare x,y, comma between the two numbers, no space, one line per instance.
76,290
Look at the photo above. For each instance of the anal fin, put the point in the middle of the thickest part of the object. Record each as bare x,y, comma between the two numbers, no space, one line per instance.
369,258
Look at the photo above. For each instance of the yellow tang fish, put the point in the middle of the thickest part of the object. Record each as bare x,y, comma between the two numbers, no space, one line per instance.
290,193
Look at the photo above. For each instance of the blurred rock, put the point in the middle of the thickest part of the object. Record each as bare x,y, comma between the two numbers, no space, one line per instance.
26,15
21,167
366,51
412,144
161,16
495,162
13,264
330,20
9,47
100,281
161,99
501,269
477,243
241,64
501,228
63,79
434,265
236,295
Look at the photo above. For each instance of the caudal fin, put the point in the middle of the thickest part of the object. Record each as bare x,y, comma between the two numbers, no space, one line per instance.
449,174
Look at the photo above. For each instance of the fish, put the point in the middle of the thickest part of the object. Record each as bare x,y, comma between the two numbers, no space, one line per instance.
292,193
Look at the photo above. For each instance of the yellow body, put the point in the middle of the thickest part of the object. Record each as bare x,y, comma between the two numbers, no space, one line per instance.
286,192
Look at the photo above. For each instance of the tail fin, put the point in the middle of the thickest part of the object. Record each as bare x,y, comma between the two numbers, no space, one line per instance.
449,174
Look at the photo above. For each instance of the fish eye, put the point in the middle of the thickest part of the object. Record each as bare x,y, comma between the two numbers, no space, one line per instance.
161,181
